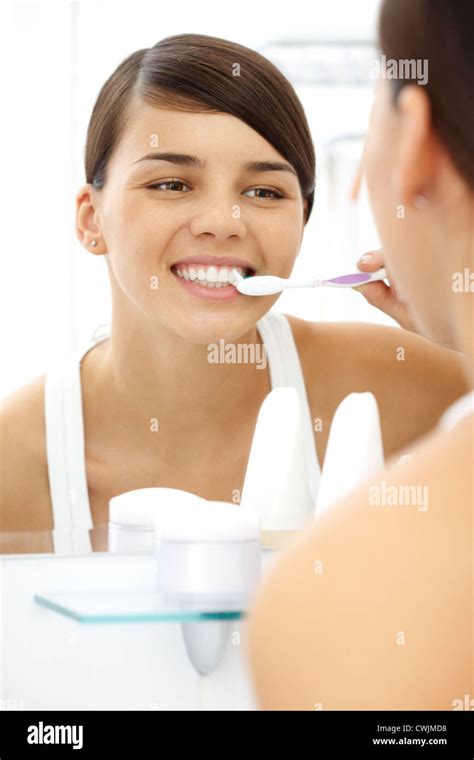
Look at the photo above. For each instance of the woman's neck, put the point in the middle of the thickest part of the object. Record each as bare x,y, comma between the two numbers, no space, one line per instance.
155,379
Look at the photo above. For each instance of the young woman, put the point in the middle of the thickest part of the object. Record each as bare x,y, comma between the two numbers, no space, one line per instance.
198,159
372,608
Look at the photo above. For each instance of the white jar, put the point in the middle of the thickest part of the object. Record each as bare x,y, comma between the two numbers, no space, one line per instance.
131,524
208,549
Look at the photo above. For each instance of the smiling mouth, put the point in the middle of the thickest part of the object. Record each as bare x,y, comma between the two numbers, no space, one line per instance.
211,276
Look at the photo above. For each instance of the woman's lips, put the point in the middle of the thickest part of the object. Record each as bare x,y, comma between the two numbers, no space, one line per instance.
211,294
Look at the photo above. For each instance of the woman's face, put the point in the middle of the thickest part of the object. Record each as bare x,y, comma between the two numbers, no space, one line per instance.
396,157
148,223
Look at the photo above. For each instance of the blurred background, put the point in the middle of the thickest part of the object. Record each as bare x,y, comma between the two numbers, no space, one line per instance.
55,56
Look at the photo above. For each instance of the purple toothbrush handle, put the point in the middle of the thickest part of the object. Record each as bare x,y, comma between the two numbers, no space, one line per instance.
357,278
351,279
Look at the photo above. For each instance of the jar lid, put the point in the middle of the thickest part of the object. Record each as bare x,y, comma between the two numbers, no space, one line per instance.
138,507
207,521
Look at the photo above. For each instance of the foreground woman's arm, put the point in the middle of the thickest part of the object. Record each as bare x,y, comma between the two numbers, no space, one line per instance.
372,608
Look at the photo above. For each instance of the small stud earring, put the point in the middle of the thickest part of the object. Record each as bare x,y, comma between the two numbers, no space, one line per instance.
419,201
93,243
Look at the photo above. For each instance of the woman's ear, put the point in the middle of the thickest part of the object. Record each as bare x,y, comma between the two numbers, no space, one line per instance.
87,228
415,150
305,209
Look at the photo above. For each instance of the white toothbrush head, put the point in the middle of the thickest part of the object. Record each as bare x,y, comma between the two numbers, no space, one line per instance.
264,285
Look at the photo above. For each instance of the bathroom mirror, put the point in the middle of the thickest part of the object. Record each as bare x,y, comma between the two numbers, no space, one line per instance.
63,302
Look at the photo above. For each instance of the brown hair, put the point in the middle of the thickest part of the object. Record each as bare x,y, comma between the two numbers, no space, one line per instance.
439,31
194,72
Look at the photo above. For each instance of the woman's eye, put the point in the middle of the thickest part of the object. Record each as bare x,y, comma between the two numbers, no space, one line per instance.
265,190
175,184
168,182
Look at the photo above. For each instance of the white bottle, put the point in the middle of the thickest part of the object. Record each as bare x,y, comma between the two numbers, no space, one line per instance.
354,449
276,483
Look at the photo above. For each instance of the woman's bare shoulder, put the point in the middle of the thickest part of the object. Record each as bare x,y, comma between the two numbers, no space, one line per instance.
24,495
375,590
338,358
413,379
339,344
371,344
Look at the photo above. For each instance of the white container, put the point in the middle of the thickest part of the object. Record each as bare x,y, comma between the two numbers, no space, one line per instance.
210,549
354,449
276,480
131,539
131,525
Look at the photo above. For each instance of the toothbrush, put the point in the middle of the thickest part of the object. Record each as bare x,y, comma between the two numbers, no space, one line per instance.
265,285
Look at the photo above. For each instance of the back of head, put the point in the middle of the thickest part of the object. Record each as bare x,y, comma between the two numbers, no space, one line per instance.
439,32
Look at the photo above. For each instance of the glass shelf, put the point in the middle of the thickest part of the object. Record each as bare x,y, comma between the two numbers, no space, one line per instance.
139,606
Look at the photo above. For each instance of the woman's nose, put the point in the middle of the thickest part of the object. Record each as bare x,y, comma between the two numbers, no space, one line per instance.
219,214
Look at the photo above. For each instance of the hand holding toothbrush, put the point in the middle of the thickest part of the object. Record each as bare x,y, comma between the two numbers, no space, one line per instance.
368,280
381,295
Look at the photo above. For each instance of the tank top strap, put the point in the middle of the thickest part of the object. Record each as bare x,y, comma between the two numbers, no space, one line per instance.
462,407
65,452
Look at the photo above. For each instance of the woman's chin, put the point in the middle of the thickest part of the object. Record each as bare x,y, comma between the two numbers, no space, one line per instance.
204,330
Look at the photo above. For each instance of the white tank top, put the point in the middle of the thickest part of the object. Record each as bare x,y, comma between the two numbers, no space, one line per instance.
65,450
457,411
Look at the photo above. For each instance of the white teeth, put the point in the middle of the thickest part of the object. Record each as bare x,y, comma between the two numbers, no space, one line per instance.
223,275
211,274
211,277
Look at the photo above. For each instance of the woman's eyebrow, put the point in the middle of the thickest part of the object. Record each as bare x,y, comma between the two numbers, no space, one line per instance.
183,159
